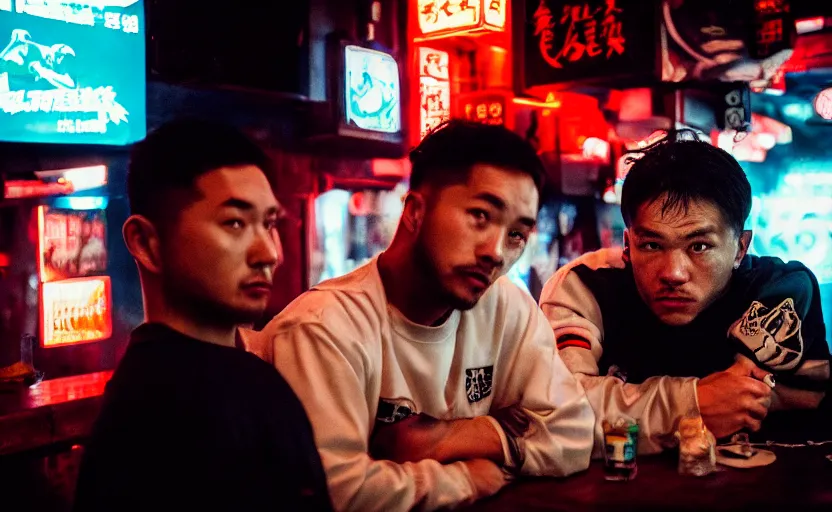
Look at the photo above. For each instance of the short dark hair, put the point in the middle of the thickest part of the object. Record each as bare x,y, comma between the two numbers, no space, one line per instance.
447,154
687,170
174,155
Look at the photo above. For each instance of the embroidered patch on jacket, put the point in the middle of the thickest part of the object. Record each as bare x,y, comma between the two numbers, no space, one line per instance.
774,335
392,410
478,383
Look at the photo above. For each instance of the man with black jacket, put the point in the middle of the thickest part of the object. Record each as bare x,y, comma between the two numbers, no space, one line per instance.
683,320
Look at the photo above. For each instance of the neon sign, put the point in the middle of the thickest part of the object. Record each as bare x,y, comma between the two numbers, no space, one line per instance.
442,18
588,33
76,311
485,107
434,89
794,221
72,72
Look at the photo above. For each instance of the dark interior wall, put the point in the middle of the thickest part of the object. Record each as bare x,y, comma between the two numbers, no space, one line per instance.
259,45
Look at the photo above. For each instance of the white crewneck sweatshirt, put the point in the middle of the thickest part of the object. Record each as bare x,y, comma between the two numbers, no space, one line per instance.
354,360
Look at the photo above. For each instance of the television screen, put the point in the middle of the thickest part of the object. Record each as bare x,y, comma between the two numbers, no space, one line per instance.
372,90
72,72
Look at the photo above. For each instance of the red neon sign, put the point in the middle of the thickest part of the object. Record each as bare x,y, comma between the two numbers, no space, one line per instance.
434,89
486,107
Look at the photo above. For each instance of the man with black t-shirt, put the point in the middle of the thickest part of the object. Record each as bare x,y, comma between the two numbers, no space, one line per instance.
190,421
684,321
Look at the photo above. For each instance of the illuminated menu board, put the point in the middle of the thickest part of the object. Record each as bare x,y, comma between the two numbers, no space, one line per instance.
76,311
71,243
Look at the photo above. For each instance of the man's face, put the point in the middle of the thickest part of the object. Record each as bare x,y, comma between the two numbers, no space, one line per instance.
220,253
682,260
473,232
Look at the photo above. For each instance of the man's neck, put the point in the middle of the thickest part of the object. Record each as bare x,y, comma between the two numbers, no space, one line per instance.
405,285
162,312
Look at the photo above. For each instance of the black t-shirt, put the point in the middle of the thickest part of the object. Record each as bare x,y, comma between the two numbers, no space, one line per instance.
771,312
191,425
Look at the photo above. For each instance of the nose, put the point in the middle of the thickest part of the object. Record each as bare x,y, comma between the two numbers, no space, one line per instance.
266,249
674,270
278,246
492,249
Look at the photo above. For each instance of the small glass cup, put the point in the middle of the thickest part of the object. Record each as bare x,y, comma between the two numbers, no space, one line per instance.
620,448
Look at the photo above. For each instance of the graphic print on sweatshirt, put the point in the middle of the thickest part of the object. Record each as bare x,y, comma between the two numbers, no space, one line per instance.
478,383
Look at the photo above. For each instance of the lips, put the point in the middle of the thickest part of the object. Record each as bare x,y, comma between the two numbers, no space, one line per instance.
477,278
675,298
258,287
674,301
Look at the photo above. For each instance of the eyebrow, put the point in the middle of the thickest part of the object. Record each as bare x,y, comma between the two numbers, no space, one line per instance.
707,230
495,201
242,204
499,204
646,233
649,233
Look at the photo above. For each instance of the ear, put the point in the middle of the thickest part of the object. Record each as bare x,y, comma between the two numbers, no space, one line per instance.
142,240
625,254
414,211
745,243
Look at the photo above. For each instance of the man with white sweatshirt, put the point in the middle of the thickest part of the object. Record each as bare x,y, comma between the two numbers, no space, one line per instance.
429,378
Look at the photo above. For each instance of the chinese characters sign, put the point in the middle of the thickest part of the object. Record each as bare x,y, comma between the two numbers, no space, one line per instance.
588,33
72,72
456,17
434,89
578,40
76,311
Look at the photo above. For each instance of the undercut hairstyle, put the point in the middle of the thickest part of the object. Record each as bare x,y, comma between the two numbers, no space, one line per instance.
448,153
685,170
165,166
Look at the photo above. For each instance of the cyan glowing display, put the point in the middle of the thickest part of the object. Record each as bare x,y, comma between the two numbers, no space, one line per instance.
794,219
72,72
373,91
